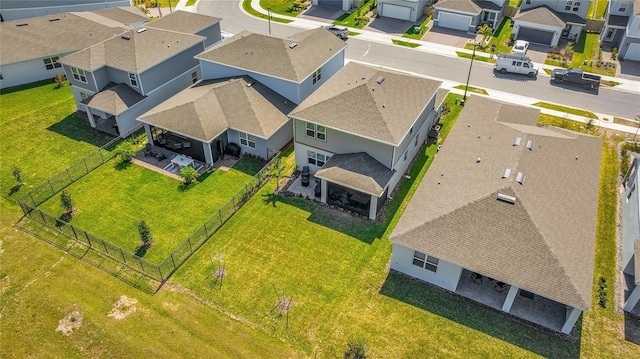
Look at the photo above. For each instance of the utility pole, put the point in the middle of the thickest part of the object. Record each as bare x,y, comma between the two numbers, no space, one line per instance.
269,14
473,55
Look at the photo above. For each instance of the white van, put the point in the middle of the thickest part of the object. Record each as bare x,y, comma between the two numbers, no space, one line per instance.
515,63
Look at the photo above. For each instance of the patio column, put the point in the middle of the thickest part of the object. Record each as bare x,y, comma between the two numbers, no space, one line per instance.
373,207
147,130
208,155
572,318
633,299
508,302
323,188
90,115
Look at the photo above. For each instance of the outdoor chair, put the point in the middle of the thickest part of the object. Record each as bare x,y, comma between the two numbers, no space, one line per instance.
476,277
186,144
177,145
500,287
147,150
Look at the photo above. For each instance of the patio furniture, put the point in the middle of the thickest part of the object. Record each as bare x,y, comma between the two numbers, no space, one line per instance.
182,161
318,189
306,175
476,277
177,145
186,144
147,150
500,287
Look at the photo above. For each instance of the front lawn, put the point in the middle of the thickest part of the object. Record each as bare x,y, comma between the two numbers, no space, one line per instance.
246,5
571,110
405,43
476,57
358,18
416,32
282,7
501,38
585,50
111,201
472,89
597,9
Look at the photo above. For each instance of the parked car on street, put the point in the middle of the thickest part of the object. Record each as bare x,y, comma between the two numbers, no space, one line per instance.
520,47
515,63
341,32
576,76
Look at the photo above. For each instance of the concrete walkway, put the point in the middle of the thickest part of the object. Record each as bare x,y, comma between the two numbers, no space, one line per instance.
179,5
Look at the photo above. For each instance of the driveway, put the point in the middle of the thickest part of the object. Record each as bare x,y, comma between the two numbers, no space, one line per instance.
538,53
320,13
389,26
447,37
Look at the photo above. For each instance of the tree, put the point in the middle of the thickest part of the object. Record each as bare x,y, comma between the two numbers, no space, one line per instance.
188,174
125,151
66,201
145,233
276,170
486,31
356,349
59,80
17,173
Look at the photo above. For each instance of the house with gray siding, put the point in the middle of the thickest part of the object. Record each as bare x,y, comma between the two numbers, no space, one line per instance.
337,5
506,215
631,238
294,66
119,79
30,48
213,113
23,9
546,21
409,10
622,28
190,23
359,132
468,15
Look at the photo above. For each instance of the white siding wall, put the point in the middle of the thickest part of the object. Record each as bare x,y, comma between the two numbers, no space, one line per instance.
447,275
630,221
27,71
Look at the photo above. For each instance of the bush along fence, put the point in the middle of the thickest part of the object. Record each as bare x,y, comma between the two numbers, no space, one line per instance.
140,273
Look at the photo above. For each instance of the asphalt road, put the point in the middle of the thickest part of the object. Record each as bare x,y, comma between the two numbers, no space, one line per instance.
604,100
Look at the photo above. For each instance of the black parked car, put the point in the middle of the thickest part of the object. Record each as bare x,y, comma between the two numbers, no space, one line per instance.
306,175
233,149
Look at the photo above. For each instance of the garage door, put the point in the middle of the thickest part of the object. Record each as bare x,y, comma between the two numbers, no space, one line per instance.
535,35
454,21
334,4
633,53
396,12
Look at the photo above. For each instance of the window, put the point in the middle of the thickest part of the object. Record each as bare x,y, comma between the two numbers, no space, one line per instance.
133,80
528,2
416,142
1,78
317,159
317,76
405,154
51,62
316,131
78,74
576,6
568,5
411,130
247,140
84,95
426,262
194,77
622,7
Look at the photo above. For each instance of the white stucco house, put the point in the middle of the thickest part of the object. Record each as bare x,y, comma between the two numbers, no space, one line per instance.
467,15
546,21
631,237
359,132
622,28
506,215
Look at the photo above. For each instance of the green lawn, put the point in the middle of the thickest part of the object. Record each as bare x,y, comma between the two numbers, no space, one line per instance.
350,20
586,49
472,89
571,110
405,43
501,38
421,30
597,9
246,5
280,7
112,201
476,57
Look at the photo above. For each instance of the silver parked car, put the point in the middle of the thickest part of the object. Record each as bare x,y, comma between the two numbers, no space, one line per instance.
341,32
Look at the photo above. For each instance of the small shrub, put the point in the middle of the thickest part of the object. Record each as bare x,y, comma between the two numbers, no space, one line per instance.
602,292
356,349
145,233
600,53
125,151
188,174
66,202
59,80
17,173
614,53
625,161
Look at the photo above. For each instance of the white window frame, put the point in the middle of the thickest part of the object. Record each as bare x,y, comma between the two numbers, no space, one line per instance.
318,132
247,140
406,153
79,75
133,79
568,5
53,62
576,5
317,76
425,261
194,77
622,7
317,159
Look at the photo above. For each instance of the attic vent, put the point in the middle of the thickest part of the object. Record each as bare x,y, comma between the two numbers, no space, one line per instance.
516,142
506,173
530,145
380,79
506,198
520,178
54,19
141,30
478,160
126,37
293,44
21,24
249,84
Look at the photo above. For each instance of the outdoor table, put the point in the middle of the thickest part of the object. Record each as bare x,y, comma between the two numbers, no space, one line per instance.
182,161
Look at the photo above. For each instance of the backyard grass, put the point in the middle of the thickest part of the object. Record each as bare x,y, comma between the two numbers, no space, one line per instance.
279,7
111,201
597,9
472,89
404,43
501,38
246,5
571,110
421,30
515,3
585,49
476,57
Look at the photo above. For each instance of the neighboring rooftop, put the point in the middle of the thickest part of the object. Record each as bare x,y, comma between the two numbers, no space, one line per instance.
183,21
294,58
114,98
53,35
511,201
208,108
358,171
468,6
127,15
134,51
358,104
544,15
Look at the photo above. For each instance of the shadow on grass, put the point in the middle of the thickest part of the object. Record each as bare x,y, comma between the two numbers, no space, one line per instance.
249,165
29,86
631,329
76,127
272,198
183,187
141,251
15,189
64,218
475,316
121,164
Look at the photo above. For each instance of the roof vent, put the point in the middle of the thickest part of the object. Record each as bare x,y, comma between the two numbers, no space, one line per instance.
293,44
506,173
530,145
126,37
478,160
21,24
380,79
506,198
141,30
516,142
520,178
54,19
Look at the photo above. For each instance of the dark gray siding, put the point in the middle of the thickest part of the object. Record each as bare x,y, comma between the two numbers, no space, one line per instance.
212,33
160,74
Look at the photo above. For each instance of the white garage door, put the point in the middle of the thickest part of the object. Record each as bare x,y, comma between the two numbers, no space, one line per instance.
633,53
454,21
396,12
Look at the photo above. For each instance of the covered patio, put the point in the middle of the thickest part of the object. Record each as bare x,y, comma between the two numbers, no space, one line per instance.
105,107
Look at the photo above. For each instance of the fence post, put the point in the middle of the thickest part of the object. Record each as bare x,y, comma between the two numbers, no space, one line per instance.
141,266
101,156
174,262
206,233
70,180
122,254
161,276
74,232
33,200
88,240
220,213
190,246
52,190
105,246
85,165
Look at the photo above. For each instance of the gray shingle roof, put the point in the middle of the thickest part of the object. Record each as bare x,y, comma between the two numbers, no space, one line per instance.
542,15
210,107
43,38
273,56
183,21
358,171
544,243
352,101
141,51
468,6
126,15
114,99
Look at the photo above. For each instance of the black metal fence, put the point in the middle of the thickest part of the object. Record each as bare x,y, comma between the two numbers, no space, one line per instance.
141,273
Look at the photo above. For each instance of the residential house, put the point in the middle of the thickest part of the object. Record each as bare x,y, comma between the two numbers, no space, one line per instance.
506,215
622,28
30,49
410,10
119,79
631,238
343,5
294,67
546,21
190,23
359,132
22,9
467,15
213,113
